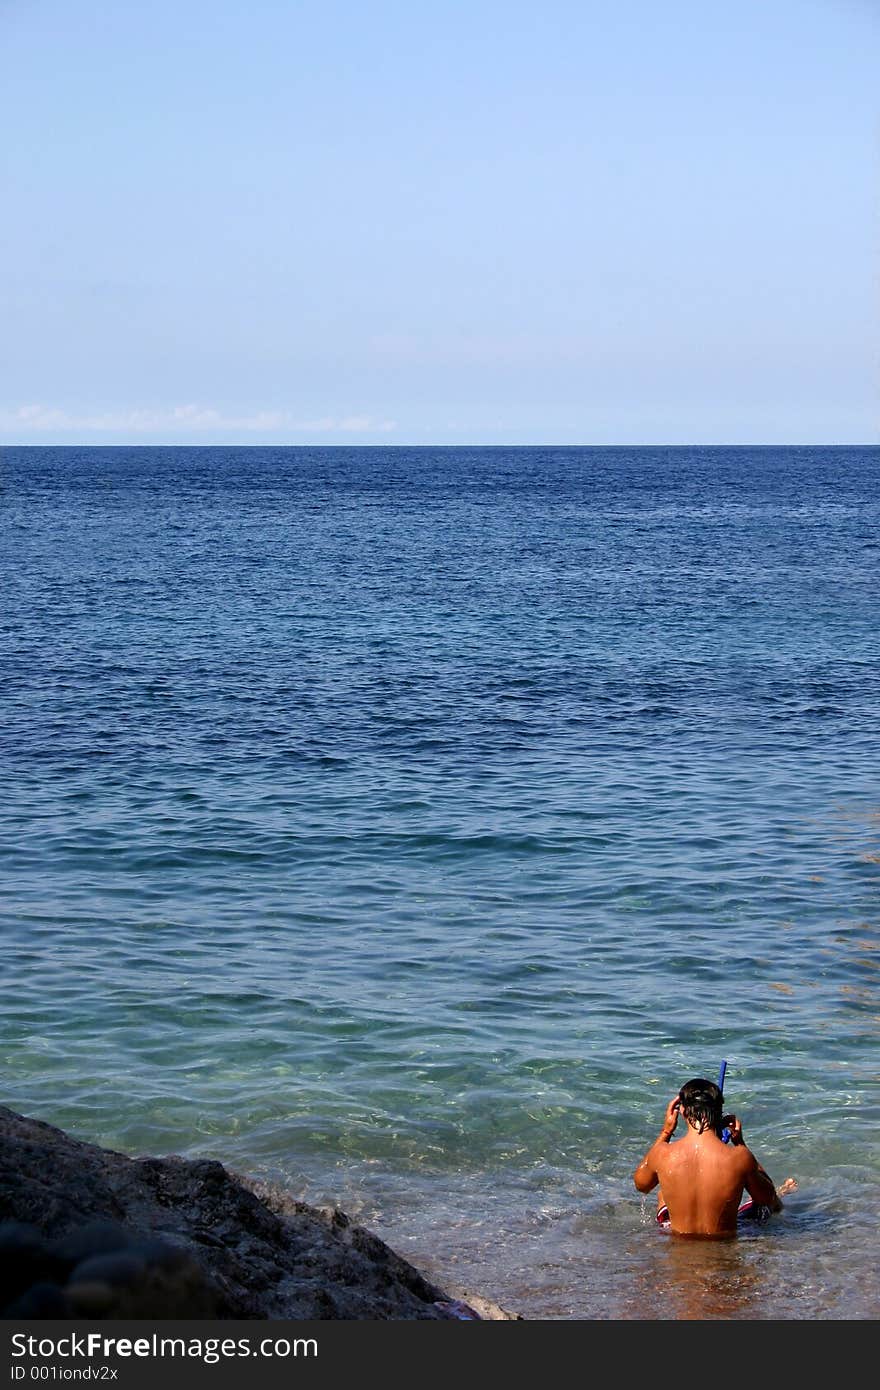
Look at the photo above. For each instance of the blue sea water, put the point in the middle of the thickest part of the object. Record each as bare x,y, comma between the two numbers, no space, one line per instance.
406,825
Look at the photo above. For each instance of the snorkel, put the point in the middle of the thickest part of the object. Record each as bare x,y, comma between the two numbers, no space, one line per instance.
725,1133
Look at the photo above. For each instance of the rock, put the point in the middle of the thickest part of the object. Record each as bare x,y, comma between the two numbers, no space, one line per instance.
120,1268
87,1232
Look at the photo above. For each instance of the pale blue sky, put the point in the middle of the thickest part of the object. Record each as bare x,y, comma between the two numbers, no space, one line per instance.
604,222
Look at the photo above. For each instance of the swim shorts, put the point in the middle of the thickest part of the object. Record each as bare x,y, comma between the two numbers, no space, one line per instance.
749,1211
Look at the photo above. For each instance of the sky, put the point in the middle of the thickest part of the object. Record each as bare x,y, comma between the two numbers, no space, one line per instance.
392,222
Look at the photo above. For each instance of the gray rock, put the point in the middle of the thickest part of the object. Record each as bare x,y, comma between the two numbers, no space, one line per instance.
100,1234
94,1238
120,1267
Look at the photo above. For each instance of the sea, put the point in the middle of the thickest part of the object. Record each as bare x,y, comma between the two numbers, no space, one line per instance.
404,826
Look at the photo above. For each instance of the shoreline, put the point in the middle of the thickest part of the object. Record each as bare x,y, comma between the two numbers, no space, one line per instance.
87,1232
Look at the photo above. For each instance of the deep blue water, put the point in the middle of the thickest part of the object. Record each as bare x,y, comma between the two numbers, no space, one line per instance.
406,825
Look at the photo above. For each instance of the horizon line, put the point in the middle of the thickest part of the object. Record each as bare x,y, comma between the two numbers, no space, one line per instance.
643,444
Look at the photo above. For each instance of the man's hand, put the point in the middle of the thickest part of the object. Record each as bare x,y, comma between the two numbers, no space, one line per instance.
734,1127
670,1119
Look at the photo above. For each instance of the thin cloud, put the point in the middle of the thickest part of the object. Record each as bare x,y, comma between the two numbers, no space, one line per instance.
191,418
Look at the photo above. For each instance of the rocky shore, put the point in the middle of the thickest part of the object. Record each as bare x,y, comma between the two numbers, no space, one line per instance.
89,1233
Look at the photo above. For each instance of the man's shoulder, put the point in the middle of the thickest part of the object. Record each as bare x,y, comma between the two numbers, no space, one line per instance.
669,1153
742,1154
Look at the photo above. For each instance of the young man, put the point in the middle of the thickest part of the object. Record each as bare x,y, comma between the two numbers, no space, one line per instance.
702,1178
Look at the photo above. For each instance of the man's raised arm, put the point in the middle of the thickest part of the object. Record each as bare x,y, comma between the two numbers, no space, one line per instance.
758,1183
646,1176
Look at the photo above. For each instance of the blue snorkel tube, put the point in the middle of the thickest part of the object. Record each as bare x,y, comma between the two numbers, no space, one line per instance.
725,1133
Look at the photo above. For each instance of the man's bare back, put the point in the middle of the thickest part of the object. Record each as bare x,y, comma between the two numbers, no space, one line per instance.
701,1178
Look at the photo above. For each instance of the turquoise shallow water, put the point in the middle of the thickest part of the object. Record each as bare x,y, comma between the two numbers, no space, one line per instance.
407,825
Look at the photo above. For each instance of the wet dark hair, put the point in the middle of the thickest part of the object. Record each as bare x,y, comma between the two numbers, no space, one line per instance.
701,1104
